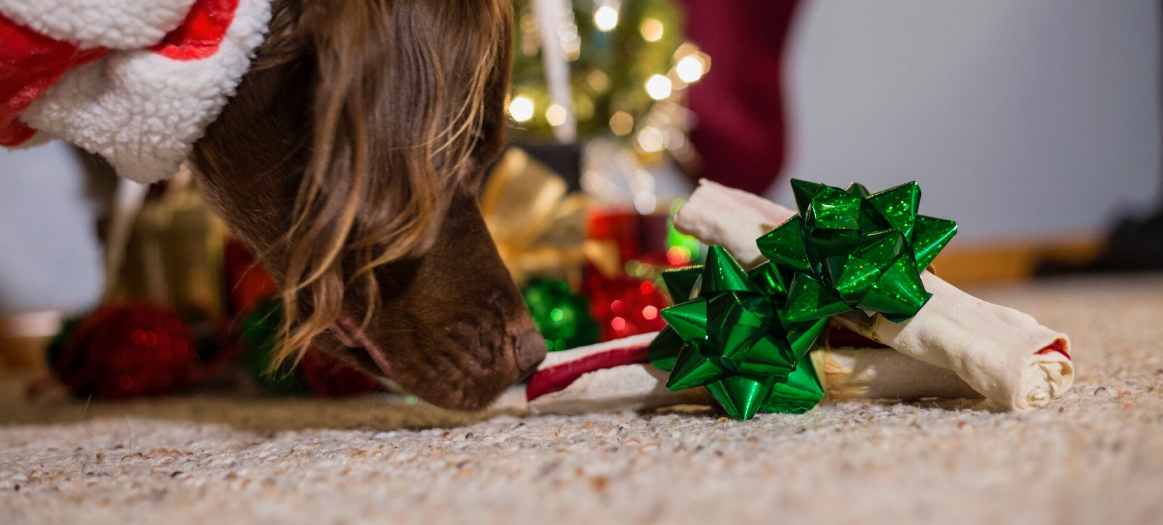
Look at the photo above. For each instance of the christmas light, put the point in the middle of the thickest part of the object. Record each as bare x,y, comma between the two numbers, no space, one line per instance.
645,203
658,87
598,81
606,18
621,123
555,115
675,139
651,139
521,109
690,69
678,255
651,30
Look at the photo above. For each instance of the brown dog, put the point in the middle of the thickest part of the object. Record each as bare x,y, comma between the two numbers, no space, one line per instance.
343,140
349,159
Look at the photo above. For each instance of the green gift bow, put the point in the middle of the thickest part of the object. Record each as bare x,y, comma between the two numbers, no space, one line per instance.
746,335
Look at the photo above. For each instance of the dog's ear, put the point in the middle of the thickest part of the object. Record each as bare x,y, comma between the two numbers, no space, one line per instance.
495,96
408,104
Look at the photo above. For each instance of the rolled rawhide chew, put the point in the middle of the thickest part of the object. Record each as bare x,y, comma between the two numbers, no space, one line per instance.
1001,353
851,366
734,217
883,373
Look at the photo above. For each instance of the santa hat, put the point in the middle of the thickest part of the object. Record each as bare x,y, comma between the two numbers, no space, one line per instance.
136,81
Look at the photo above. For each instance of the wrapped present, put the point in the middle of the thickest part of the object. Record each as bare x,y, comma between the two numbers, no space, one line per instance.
174,254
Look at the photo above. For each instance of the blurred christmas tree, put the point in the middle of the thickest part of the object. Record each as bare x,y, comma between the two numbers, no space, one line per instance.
618,72
599,96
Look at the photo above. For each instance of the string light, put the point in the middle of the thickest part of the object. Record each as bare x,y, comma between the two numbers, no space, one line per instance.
646,203
606,18
621,123
598,81
690,69
658,87
521,108
678,255
675,139
567,34
651,139
530,42
651,30
555,115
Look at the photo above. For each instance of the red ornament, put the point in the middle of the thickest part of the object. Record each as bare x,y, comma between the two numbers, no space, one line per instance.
624,306
330,377
123,351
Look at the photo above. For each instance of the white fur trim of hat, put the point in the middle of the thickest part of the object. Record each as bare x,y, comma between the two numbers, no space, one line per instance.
166,68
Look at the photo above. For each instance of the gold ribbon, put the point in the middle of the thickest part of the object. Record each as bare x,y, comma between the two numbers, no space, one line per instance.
538,226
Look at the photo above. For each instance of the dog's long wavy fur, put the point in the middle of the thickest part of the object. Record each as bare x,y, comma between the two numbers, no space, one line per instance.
404,91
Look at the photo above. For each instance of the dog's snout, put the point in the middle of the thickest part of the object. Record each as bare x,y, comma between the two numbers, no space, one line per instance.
528,350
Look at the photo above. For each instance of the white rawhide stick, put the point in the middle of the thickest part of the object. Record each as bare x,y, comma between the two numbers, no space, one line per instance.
733,218
884,373
1003,354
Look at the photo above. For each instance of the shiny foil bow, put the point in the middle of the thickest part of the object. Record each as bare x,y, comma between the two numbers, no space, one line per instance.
851,250
734,338
745,335
538,227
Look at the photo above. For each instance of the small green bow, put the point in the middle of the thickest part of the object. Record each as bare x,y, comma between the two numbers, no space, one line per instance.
733,338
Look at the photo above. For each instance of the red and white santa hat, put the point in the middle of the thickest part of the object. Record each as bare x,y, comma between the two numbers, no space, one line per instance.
136,81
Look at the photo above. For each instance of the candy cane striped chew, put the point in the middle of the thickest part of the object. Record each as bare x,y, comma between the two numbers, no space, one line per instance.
1002,353
606,377
617,376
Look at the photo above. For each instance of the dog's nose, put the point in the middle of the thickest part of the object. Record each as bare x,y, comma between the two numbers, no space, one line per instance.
529,350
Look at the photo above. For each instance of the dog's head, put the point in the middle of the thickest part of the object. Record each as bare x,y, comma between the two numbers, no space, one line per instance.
349,159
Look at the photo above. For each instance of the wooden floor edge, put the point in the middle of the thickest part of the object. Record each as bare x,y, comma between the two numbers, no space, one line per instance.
1012,259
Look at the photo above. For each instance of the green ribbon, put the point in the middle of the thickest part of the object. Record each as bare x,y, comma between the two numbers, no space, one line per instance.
851,250
746,335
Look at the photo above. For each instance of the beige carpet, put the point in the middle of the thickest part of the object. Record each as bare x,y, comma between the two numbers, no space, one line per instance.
1095,456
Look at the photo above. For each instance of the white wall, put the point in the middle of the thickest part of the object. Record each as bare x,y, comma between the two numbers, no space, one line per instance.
1018,118
49,255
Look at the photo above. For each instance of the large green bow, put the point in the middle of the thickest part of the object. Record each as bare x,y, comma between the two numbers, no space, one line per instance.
851,250
746,335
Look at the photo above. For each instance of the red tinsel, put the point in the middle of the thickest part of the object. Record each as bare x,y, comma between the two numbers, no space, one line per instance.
122,351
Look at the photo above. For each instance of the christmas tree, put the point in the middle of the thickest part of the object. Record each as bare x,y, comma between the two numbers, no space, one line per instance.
625,66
